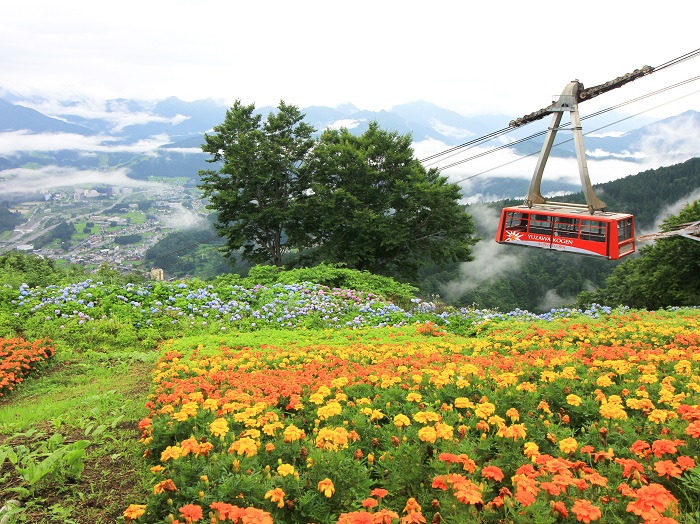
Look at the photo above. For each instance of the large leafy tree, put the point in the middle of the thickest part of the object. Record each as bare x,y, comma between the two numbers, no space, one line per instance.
255,190
372,206
665,274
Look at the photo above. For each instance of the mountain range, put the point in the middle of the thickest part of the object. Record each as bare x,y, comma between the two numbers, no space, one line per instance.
163,138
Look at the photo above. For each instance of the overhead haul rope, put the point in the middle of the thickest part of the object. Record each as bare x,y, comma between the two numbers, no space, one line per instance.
563,126
569,139
491,136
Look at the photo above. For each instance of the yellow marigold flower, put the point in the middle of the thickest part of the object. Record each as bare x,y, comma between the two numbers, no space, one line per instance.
612,411
326,487
444,431
658,416
219,427
134,511
293,433
684,367
339,382
530,449
211,404
171,452
285,469
401,421
463,402
573,400
515,432
485,410
603,381
427,434
376,415
276,495
329,410
362,401
244,446
568,445
414,397
271,429
425,417
513,414
544,406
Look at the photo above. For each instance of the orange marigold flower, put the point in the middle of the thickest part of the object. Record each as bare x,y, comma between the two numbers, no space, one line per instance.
439,482
134,511
164,485
664,446
415,517
369,503
560,508
469,494
651,501
356,517
640,448
380,493
191,513
226,511
667,468
685,463
326,487
276,495
492,472
585,511
385,516
693,429
411,506
171,452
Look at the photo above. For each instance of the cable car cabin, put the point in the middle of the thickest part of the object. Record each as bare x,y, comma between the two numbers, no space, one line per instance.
569,229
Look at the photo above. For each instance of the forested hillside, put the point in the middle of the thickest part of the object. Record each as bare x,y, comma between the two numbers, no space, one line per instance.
538,280
532,279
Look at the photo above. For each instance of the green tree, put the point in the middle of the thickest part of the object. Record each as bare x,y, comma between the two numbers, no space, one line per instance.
666,273
257,187
372,206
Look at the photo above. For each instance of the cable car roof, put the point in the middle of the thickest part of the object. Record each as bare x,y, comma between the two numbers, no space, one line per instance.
563,208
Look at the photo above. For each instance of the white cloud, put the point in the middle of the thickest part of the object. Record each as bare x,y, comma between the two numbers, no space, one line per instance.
348,123
490,258
22,180
450,131
115,112
13,142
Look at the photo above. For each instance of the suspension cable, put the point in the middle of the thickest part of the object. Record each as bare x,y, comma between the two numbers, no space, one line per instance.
564,141
495,134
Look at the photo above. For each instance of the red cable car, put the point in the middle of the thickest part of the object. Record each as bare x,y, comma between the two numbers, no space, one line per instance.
563,228
575,228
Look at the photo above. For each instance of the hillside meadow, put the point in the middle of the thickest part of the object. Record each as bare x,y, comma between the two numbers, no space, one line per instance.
215,402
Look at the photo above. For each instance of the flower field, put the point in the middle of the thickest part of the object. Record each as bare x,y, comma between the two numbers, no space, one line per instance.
303,404
18,358
532,420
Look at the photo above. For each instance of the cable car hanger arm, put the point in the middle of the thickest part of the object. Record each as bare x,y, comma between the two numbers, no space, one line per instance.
585,94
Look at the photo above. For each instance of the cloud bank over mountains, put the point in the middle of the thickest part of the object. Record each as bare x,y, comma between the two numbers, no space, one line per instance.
124,141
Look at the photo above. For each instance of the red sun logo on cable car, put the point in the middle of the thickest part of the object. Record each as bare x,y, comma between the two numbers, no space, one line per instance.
513,236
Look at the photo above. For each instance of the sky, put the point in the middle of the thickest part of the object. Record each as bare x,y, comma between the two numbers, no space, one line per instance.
506,57
476,58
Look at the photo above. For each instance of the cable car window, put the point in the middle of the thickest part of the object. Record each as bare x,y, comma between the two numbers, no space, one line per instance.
541,224
593,230
624,229
516,221
566,227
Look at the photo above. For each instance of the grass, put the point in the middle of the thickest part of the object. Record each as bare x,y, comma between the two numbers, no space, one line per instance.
81,396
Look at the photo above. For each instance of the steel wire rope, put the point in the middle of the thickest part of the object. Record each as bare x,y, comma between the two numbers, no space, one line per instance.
678,60
565,141
494,134
563,126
